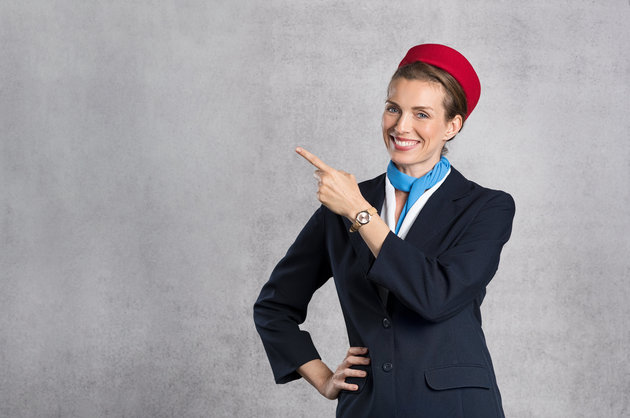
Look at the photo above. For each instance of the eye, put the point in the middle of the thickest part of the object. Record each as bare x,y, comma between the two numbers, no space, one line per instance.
422,115
391,109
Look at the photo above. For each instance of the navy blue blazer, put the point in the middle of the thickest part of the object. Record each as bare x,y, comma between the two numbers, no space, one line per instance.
427,349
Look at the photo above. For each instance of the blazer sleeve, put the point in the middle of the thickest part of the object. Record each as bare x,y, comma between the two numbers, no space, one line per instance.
283,300
439,287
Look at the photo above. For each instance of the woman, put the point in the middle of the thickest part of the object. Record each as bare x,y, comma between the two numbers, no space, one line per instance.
411,252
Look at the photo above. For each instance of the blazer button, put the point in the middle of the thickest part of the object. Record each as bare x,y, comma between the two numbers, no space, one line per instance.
386,323
387,367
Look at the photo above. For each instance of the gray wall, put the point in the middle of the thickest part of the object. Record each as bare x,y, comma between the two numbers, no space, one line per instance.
149,186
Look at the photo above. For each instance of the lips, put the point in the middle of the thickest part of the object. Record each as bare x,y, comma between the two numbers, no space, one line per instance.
403,144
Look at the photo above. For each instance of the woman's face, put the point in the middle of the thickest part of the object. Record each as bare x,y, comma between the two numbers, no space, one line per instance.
414,125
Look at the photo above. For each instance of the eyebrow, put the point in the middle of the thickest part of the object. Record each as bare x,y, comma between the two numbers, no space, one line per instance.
414,108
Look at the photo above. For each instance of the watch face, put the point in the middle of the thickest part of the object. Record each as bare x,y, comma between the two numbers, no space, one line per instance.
363,217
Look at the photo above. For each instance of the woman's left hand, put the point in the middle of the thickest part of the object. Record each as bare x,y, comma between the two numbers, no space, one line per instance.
338,190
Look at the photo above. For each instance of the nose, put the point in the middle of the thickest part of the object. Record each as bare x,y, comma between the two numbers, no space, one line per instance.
403,124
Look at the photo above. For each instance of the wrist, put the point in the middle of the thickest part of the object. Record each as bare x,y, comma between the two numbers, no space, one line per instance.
317,374
362,218
327,389
322,385
354,209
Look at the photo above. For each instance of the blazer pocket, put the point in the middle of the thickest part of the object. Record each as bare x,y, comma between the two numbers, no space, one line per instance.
458,376
359,381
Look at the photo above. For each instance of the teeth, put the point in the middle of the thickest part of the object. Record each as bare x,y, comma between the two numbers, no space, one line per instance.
405,143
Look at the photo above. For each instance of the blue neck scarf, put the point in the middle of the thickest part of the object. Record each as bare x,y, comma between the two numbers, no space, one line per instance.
415,186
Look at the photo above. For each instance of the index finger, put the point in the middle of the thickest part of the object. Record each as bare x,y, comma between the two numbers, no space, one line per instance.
357,351
313,159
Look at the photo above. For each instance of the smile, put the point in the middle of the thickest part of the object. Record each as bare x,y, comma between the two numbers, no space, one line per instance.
403,144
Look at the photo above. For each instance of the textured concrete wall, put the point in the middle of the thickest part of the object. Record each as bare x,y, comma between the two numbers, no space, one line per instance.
149,185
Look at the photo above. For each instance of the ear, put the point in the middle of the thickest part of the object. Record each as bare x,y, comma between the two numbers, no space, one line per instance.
453,127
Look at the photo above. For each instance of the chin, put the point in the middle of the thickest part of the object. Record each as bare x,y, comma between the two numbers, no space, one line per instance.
403,160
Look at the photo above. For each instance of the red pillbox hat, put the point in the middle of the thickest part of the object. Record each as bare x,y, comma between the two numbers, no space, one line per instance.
452,62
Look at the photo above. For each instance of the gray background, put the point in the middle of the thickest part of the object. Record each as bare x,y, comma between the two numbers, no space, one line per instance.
149,186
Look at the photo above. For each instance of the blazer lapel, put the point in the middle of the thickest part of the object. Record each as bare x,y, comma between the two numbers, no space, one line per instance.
374,192
437,213
439,210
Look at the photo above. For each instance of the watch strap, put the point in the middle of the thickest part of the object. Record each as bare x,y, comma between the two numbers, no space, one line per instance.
356,224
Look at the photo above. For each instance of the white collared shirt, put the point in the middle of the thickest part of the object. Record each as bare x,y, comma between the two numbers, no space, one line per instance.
388,212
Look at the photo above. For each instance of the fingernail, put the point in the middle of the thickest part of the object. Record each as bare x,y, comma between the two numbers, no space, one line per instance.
356,387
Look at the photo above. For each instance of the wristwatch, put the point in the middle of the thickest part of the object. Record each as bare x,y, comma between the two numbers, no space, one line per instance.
363,218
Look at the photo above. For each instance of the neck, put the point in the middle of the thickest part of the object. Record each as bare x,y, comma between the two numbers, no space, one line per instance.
417,170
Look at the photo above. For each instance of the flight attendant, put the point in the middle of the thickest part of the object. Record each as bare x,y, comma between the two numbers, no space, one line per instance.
411,252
